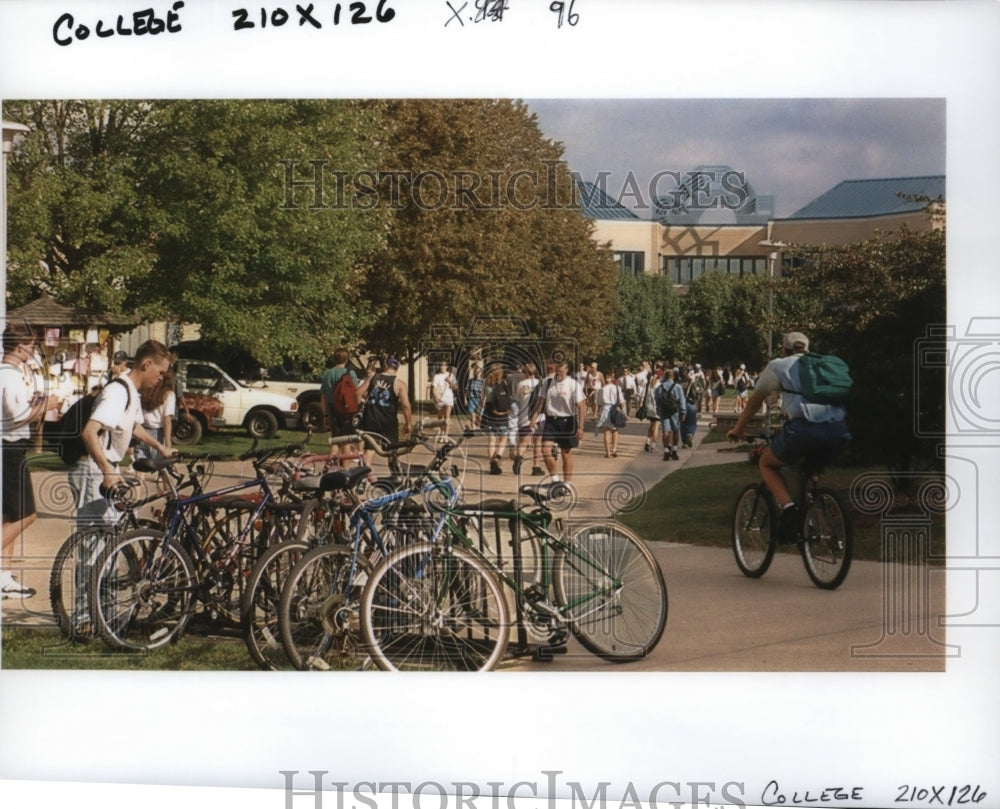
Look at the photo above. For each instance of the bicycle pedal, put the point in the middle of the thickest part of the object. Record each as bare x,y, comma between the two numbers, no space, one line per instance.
548,653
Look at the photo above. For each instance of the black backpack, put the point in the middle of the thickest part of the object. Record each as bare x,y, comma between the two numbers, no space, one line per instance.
67,431
500,399
666,404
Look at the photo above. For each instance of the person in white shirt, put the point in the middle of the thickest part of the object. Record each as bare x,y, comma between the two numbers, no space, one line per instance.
159,405
609,397
526,434
22,406
443,387
565,408
117,417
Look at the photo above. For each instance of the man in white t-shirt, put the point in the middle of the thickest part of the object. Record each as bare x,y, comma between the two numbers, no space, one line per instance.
117,417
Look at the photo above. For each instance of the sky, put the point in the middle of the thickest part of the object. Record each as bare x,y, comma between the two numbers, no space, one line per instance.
791,149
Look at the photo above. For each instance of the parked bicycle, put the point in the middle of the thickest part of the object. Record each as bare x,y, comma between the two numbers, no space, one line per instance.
73,564
148,583
824,536
318,614
441,605
332,496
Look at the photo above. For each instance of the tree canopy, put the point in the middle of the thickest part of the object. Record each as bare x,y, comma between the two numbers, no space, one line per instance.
209,212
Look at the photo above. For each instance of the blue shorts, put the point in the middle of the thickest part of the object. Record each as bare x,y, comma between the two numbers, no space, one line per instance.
798,438
671,424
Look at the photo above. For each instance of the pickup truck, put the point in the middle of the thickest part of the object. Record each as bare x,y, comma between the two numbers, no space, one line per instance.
239,365
257,408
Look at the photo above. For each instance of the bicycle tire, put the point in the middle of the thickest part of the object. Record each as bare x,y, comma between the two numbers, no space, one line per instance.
610,587
319,614
262,601
69,581
432,608
754,530
827,540
142,591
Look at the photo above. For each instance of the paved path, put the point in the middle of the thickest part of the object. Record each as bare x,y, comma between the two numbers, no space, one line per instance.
718,619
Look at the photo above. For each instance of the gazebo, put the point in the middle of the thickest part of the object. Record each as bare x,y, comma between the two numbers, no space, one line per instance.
70,329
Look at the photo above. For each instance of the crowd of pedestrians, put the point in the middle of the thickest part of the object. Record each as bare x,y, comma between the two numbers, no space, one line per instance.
528,416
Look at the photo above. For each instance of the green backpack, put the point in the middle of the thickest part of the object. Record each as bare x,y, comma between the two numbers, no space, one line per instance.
824,379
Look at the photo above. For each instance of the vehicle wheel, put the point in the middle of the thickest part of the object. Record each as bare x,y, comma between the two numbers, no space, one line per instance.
142,590
311,416
828,540
261,602
262,424
318,616
69,582
754,530
427,608
613,592
187,431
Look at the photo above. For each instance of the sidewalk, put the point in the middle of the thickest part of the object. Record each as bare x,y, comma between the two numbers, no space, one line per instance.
602,487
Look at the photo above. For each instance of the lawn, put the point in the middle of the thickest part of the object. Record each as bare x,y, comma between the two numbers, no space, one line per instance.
695,506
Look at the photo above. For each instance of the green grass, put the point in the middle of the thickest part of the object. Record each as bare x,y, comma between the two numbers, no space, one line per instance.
695,506
46,649
227,443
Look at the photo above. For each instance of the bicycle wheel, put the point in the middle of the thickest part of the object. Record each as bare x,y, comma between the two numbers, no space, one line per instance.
318,616
754,530
69,581
142,591
262,601
611,589
827,540
432,608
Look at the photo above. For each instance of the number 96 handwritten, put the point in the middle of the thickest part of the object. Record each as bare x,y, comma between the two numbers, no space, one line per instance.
565,13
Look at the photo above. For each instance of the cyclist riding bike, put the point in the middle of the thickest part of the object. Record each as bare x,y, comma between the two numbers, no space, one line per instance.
809,428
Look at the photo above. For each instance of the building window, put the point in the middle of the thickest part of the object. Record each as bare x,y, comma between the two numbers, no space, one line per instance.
632,262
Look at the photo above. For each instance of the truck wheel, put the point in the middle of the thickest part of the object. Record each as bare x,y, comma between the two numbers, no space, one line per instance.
311,416
262,424
187,431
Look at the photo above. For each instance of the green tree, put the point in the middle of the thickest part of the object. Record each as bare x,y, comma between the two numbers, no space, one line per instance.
726,318
76,226
875,301
485,223
261,265
179,210
649,323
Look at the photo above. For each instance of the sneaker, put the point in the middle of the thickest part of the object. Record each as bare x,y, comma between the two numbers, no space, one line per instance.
788,527
495,467
537,472
518,460
12,588
673,455
666,455
647,448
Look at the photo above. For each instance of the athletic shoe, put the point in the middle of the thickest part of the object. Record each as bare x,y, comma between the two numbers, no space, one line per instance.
647,448
495,467
673,455
12,588
788,528
666,455
518,460
537,471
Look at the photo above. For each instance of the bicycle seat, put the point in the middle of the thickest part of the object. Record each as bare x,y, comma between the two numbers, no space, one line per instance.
155,464
332,481
542,492
491,505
